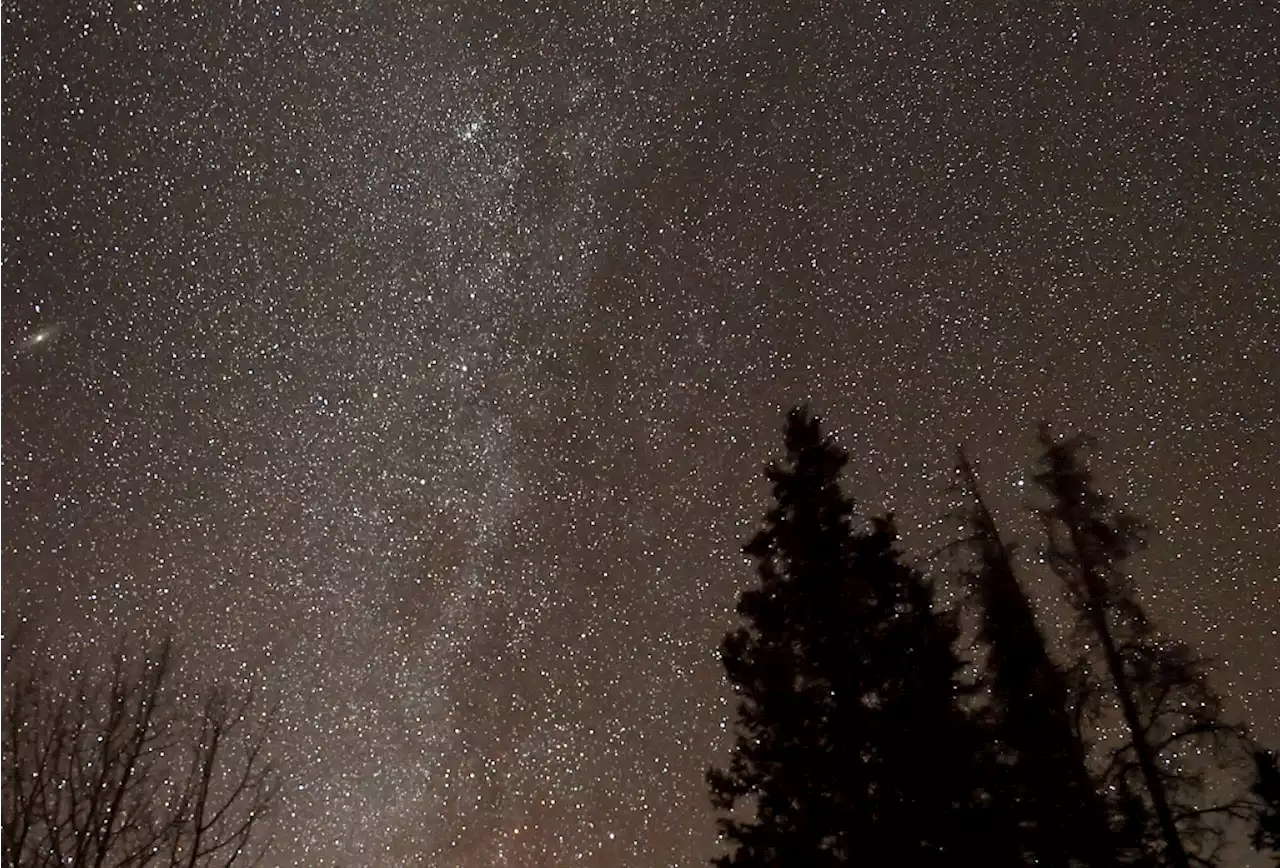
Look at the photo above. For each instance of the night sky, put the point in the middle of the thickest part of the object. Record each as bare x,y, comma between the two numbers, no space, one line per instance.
421,361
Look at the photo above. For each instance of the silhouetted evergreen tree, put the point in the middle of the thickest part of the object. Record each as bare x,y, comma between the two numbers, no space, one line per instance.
1132,824
851,746
1266,790
1049,799
1169,714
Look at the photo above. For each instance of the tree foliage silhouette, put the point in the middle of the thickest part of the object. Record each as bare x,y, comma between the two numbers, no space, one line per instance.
1169,714
1047,794
851,743
1266,792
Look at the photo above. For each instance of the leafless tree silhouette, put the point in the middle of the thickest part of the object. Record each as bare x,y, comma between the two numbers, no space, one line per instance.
119,766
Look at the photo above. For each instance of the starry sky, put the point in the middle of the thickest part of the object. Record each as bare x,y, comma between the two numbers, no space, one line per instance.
420,360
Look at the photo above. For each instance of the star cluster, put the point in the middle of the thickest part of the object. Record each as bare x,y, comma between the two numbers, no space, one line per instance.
419,360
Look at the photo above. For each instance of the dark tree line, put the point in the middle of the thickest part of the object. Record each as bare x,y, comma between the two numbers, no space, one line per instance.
862,736
859,740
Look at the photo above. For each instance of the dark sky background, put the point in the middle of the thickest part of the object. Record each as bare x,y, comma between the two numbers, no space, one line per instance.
421,359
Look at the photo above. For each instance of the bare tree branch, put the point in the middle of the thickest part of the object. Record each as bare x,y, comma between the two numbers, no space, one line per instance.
118,769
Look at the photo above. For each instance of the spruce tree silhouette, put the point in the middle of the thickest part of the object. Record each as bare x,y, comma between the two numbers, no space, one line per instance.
1172,720
1266,790
1055,814
851,743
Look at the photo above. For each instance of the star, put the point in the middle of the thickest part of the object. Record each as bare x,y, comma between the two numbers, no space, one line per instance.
584,255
